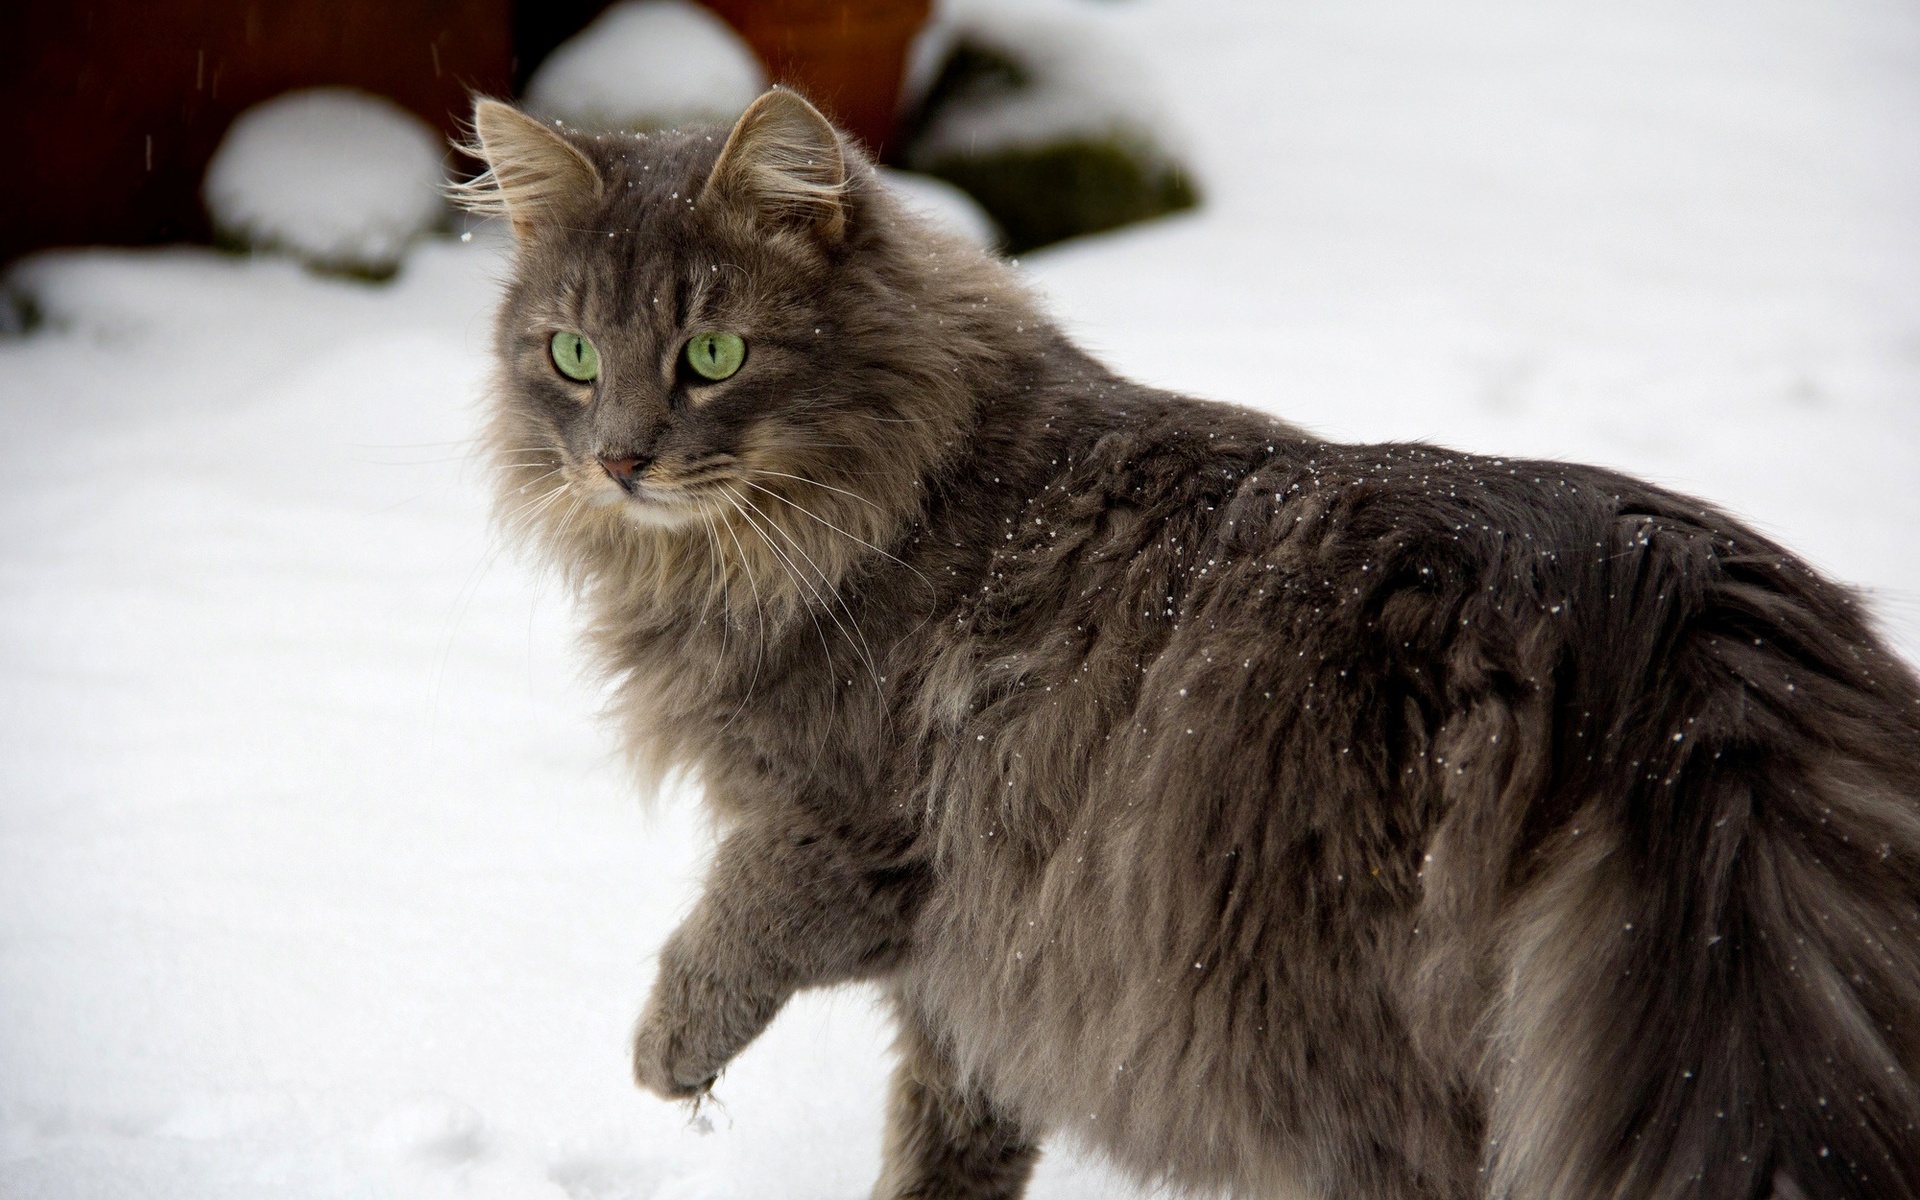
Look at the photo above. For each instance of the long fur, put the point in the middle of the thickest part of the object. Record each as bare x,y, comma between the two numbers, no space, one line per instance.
1273,815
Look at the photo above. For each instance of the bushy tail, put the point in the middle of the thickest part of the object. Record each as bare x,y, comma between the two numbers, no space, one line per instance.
1711,977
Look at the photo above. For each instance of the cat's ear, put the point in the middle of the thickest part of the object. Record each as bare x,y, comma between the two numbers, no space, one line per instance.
534,175
784,164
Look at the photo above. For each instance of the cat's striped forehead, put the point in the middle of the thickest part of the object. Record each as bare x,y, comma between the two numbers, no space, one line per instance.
648,255
653,176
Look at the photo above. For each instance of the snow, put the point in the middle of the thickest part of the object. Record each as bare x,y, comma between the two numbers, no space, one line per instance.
648,64
1083,79
318,877
337,177
944,204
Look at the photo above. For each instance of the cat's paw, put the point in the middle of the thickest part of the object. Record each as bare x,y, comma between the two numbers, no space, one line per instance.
664,1065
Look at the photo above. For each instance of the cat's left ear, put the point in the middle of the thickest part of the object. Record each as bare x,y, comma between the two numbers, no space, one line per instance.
784,164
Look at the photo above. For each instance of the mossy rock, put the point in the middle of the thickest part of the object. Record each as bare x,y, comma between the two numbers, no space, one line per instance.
357,269
1045,194
1042,190
20,312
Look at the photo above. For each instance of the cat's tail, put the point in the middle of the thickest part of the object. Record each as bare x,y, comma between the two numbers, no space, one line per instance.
1708,980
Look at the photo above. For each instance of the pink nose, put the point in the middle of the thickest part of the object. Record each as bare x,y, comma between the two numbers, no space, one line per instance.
621,469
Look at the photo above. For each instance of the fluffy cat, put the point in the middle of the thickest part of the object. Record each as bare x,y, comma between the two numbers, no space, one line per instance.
1281,818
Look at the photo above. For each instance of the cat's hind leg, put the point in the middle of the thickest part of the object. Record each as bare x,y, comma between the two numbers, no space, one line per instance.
945,1140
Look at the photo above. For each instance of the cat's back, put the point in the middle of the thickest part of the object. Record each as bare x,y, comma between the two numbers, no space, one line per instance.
1209,516
1266,738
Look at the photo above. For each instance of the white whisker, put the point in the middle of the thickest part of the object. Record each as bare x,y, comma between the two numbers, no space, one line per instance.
717,562
830,525
858,641
817,483
793,572
760,612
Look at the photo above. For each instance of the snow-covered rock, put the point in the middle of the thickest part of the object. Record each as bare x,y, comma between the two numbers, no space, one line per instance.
337,177
944,204
1044,117
1065,77
646,64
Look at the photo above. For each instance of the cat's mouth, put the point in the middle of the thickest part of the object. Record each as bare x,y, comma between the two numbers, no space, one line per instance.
659,493
645,502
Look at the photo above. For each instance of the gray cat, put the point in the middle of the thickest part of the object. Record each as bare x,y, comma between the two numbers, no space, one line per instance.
1279,817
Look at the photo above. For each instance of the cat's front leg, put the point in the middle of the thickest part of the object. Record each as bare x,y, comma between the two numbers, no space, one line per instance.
785,908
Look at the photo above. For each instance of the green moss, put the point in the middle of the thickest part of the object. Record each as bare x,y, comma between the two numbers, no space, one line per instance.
1045,194
972,70
20,311
363,272
229,242
1049,191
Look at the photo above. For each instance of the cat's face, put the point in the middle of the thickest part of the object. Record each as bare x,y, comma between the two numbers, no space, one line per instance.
668,360
699,325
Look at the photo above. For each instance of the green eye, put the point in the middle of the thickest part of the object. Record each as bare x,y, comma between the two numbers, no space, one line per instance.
715,355
576,357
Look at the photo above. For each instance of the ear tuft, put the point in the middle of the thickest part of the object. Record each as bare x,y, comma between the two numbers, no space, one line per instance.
785,164
533,174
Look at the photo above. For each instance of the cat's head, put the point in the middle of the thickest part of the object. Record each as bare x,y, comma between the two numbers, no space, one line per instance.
725,341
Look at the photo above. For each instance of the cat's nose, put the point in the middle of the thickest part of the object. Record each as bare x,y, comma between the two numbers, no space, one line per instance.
623,470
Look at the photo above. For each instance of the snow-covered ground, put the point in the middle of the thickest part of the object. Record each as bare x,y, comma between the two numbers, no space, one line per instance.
317,875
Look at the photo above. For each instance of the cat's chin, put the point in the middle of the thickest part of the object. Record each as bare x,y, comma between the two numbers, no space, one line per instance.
648,513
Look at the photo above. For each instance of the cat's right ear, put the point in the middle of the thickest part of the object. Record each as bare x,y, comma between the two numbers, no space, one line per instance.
534,176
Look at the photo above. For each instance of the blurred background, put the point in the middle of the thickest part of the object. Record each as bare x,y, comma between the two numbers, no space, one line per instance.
318,874
117,108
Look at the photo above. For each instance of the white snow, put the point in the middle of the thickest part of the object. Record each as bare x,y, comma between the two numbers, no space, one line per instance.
318,877
1084,78
648,64
335,176
942,203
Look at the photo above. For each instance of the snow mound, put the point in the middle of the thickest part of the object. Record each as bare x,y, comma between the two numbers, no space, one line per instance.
1042,114
1061,76
646,64
334,176
946,206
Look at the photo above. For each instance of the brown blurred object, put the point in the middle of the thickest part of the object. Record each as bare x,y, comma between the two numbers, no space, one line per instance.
110,109
847,56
